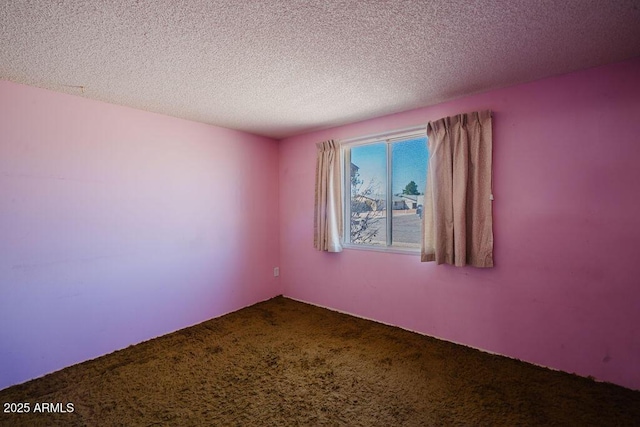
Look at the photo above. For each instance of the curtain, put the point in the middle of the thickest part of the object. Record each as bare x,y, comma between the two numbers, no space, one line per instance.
457,220
328,207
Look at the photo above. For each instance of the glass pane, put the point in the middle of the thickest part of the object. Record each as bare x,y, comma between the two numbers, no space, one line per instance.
409,173
368,194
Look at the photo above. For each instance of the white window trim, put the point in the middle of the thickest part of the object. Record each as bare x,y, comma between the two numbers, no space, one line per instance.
345,157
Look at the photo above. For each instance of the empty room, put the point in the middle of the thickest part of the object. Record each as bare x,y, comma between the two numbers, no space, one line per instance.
358,213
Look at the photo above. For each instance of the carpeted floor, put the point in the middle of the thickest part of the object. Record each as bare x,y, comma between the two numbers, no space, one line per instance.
282,362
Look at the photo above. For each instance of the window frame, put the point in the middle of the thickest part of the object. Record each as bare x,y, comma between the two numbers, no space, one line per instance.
388,138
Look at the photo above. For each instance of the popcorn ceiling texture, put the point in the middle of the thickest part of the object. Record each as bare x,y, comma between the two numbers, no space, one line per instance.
280,68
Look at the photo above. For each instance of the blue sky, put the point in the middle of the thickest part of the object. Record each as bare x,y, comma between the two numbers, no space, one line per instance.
409,163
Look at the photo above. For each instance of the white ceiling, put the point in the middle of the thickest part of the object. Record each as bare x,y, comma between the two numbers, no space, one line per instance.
279,68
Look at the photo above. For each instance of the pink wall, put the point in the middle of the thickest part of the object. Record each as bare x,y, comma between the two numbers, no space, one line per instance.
118,225
565,292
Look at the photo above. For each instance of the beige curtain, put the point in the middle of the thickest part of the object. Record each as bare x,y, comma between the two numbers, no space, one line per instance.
457,220
328,209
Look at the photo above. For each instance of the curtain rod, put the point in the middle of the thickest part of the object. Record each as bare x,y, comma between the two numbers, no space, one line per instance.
381,136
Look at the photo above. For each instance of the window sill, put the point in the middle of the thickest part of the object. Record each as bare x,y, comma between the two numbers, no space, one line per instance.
401,251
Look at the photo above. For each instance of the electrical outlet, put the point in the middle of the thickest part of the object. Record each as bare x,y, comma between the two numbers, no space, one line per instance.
276,271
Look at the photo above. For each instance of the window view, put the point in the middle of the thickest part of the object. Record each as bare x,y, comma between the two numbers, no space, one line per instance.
368,194
408,178
387,175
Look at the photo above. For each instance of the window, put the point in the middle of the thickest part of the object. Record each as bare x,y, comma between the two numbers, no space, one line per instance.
385,174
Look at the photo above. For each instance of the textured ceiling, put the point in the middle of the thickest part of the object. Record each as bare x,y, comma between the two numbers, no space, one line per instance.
280,68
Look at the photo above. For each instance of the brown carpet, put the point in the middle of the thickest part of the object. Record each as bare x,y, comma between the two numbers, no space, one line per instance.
282,362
